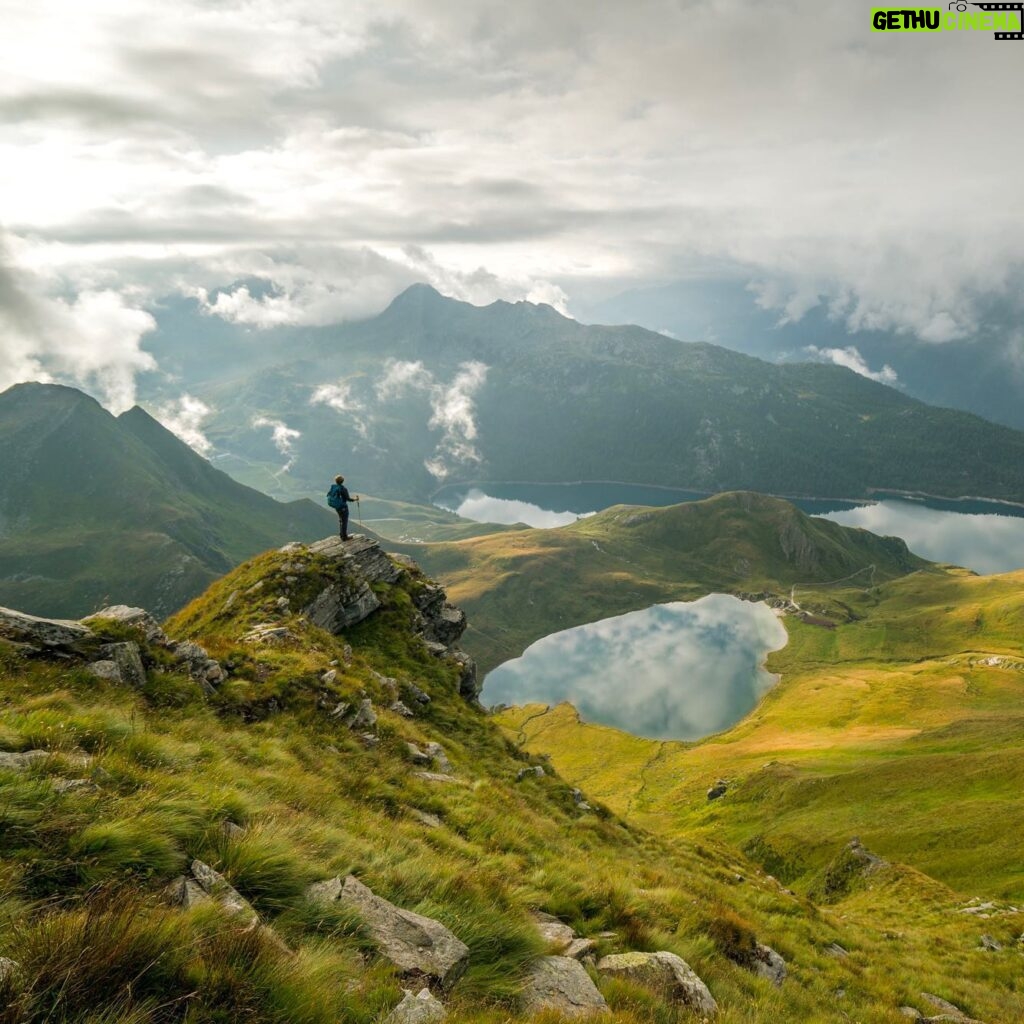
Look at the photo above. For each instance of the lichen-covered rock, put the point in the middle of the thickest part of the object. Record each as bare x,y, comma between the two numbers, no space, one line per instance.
8,968
41,633
418,946
554,932
421,1008
664,972
560,983
138,618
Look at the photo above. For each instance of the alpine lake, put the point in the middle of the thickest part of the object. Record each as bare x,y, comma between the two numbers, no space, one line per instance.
687,670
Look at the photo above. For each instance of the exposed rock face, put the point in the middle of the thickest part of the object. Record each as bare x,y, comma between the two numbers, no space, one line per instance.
418,946
340,606
560,983
361,556
41,633
663,972
421,1008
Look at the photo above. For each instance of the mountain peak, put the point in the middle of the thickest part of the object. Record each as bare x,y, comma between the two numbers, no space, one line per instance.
417,296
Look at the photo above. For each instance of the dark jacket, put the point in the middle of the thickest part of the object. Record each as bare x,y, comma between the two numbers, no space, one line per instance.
341,491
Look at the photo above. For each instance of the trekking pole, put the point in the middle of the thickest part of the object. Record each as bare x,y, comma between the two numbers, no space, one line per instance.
359,512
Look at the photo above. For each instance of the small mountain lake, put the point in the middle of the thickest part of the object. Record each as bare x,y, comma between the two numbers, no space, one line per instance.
673,671
985,536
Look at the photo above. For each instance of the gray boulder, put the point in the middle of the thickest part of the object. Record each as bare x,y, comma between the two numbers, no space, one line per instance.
416,945
219,889
364,718
553,931
560,983
718,790
41,633
121,663
446,625
421,1008
664,972
8,968
535,771
439,756
342,605
766,963
21,760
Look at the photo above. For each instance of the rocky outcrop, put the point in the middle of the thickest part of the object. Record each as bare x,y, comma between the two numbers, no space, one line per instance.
361,556
416,945
421,1008
340,606
554,932
41,634
562,984
665,973
137,618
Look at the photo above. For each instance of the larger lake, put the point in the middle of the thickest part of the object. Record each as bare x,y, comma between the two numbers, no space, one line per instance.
987,537
674,671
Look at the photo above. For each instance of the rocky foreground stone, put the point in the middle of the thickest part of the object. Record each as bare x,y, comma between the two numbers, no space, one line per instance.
417,946
666,974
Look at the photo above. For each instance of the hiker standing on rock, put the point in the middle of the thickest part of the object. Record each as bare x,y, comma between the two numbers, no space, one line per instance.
338,498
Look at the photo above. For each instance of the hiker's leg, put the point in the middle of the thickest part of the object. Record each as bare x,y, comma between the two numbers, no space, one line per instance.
344,523
341,522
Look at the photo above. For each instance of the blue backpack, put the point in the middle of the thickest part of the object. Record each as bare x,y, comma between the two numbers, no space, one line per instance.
334,498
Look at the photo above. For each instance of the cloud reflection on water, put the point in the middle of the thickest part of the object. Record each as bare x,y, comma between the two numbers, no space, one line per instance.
984,543
482,508
673,671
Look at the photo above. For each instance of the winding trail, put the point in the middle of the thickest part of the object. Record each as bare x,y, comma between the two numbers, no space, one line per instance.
831,583
521,735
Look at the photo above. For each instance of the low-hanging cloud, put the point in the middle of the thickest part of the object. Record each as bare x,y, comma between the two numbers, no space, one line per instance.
851,358
283,436
184,417
452,408
340,397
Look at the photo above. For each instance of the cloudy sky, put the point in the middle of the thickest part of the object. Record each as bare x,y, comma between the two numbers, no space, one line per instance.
333,153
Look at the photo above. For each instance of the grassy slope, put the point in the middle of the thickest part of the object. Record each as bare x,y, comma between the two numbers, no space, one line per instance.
517,587
81,872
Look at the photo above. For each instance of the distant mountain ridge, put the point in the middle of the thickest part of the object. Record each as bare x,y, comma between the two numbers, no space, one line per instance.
93,505
550,399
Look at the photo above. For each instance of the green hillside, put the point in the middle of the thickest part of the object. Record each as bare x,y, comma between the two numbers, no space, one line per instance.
522,585
295,766
558,400
94,507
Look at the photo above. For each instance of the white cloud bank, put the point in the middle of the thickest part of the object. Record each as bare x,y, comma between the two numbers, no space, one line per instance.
336,153
283,436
